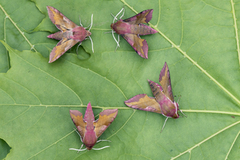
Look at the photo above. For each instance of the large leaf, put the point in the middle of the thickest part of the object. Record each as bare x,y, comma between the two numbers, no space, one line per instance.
198,39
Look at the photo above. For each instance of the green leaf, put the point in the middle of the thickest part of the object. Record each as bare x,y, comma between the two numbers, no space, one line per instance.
198,39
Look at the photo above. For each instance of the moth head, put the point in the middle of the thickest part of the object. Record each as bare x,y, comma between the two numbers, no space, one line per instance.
176,115
178,106
112,25
89,146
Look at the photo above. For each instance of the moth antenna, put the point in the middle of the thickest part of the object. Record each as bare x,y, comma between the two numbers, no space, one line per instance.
114,17
179,109
79,150
91,22
164,124
178,99
100,148
115,40
91,43
77,53
103,140
78,133
182,112
122,14
90,25
117,14
80,21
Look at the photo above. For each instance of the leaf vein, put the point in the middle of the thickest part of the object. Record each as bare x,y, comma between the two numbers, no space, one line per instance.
25,89
51,145
103,78
236,30
206,139
234,141
21,32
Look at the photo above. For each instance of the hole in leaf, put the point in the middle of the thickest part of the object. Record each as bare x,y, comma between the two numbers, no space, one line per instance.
4,148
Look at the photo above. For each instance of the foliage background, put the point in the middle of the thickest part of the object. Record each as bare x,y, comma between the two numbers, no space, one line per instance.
198,39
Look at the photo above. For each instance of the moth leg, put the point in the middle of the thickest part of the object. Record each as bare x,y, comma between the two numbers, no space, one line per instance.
115,17
79,150
78,134
116,40
123,13
80,21
91,22
164,124
103,140
90,26
77,53
91,43
100,148
118,45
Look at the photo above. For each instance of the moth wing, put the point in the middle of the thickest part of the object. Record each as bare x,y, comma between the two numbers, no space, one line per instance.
167,106
77,119
61,21
143,102
106,117
165,81
138,44
142,17
157,91
62,46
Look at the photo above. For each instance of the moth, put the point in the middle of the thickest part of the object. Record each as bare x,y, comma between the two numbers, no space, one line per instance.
69,34
131,28
89,129
163,101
